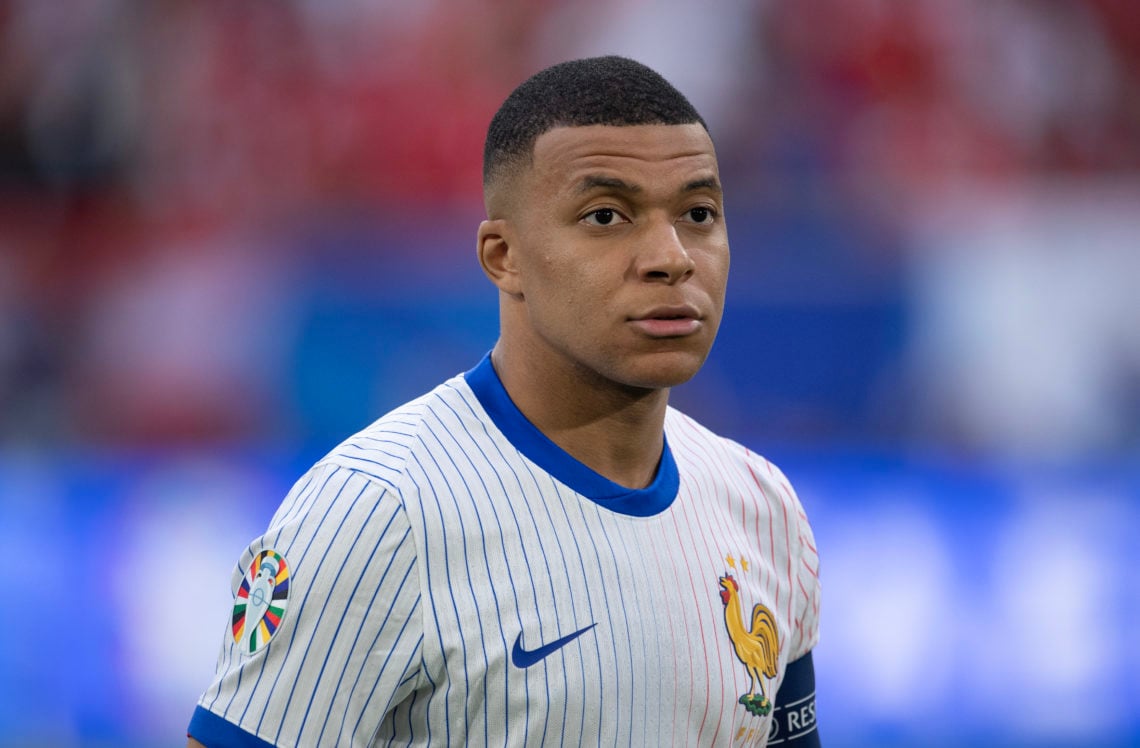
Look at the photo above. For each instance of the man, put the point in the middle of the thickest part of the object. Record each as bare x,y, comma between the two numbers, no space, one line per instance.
541,551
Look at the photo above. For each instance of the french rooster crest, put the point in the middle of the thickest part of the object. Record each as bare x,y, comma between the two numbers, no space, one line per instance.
757,646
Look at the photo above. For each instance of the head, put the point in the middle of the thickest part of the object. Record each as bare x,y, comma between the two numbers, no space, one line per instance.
605,227
612,91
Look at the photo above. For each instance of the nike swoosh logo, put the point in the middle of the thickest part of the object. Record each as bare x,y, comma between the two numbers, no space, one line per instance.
527,657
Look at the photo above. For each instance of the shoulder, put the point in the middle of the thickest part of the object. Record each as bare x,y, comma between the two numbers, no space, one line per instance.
385,450
696,447
767,495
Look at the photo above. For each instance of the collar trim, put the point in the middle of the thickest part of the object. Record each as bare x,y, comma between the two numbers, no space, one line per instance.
642,502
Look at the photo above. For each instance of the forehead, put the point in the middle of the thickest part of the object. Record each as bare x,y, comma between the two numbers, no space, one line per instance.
657,154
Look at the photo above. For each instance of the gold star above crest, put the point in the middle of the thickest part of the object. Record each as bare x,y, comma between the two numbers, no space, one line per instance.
744,565
730,561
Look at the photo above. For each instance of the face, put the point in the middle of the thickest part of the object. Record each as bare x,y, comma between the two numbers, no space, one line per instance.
616,253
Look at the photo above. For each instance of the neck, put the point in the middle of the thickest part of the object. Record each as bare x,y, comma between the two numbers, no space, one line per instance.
615,430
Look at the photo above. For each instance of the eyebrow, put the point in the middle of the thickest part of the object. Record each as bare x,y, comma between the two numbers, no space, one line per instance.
708,183
594,181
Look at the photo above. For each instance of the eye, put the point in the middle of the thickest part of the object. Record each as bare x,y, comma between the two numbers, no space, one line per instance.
604,217
701,214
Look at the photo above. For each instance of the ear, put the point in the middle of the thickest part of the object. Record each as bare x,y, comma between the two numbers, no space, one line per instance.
497,255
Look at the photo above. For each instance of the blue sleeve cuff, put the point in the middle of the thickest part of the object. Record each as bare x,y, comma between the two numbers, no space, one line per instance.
214,732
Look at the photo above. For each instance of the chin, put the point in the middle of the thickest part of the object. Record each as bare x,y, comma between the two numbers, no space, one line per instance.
661,371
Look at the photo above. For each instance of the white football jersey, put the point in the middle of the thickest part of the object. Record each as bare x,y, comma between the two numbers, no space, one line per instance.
450,576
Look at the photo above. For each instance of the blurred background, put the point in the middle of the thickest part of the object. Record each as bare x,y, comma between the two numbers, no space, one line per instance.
232,233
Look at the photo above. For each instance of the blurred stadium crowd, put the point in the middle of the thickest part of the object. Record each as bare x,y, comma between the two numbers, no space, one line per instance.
210,210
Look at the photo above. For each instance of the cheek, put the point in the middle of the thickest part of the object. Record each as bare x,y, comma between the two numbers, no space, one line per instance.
567,293
567,273
717,272
568,299
548,277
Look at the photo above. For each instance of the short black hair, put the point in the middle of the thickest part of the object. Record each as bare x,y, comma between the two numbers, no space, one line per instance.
607,90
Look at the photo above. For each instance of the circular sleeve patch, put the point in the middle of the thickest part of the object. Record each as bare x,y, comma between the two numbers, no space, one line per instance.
261,601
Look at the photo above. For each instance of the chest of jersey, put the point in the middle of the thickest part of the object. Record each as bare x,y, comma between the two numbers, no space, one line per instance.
549,617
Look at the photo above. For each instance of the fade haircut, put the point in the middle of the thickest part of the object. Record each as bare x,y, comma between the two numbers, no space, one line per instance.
608,90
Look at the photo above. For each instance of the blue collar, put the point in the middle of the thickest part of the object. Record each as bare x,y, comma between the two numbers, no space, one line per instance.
536,446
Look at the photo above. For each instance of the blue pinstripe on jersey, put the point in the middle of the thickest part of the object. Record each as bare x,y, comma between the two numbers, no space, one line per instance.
443,543
406,666
494,465
379,631
442,533
555,490
570,594
287,549
475,469
340,623
299,492
463,535
324,609
301,606
629,634
501,459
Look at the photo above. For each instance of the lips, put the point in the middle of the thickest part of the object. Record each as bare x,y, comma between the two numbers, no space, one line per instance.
668,321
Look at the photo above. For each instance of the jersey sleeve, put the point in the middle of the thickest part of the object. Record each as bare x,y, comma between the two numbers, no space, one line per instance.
326,631
805,562
794,717
809,588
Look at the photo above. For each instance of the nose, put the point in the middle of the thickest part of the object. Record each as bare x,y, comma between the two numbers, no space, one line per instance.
662,256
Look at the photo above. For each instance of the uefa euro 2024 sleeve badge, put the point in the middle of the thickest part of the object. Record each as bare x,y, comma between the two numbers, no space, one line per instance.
260,603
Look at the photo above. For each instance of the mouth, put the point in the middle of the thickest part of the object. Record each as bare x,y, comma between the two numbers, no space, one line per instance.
668,321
